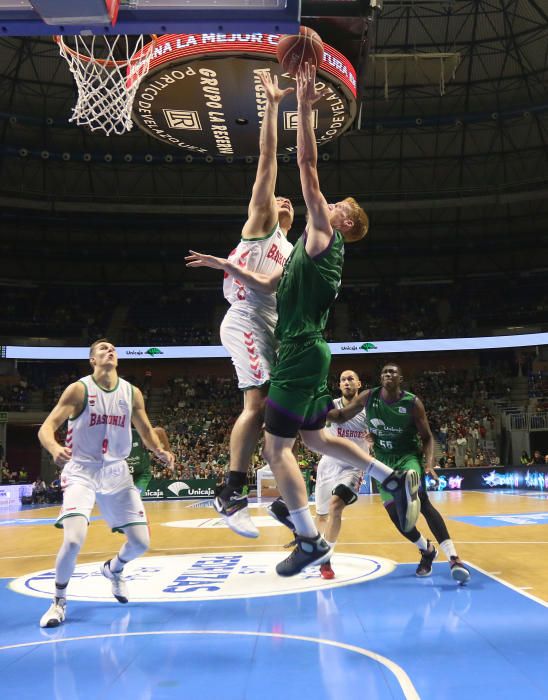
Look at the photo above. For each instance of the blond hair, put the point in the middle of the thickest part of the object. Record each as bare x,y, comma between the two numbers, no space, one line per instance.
360,219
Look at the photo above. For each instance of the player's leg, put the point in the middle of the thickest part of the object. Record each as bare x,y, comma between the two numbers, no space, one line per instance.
310,548
437,525
78,501
403,486
247,429
343,491
122,508
137,542
426,549
230,502
250,342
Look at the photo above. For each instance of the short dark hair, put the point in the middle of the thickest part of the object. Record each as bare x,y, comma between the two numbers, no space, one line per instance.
95,344
350,370
392,364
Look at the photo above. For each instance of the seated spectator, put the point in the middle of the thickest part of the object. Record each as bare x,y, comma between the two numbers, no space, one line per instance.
39,491
23,476
6,474
54,493
538,458
524,459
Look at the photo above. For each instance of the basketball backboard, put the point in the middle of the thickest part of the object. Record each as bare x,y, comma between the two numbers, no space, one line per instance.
71,17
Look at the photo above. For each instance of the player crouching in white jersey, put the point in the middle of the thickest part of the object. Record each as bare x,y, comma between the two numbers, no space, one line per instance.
337,483
100,409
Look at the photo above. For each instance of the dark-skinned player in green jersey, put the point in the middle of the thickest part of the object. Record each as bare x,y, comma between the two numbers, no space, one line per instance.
396,420
298,398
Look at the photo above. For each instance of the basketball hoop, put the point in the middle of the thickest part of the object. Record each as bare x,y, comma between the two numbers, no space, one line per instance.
106,83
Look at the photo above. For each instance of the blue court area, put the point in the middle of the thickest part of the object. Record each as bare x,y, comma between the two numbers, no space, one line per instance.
503,519
390,637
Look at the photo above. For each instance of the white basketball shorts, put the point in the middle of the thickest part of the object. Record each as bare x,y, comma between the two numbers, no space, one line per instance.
330,474
249,338
111,487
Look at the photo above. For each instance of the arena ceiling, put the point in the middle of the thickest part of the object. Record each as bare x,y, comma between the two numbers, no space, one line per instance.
449,148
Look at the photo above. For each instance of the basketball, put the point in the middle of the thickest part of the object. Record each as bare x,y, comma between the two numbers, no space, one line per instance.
294,50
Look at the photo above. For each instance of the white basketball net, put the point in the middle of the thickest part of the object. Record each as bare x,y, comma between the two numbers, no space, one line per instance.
106,83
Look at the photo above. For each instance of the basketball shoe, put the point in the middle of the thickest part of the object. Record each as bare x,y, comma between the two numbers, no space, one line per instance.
280,512
118,583
427,559
307,551
326,571
404,487
458,571
55,614
233,507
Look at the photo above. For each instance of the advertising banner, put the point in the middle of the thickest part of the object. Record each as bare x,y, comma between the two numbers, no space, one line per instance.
189,488
534,478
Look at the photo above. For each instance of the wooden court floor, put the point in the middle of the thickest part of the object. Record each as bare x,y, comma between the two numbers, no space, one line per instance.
504,534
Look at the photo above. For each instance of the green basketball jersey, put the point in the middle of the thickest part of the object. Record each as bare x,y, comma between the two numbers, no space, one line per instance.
393,426
139,458
307,289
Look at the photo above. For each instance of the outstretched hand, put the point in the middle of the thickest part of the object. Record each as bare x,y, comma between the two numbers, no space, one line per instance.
306,85
432,472
202,260
165,456
273,93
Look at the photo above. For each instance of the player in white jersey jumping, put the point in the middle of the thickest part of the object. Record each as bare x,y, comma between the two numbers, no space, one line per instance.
247,330
100,409
337,482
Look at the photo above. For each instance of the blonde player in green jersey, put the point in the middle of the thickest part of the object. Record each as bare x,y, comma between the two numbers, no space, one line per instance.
402,438
298,399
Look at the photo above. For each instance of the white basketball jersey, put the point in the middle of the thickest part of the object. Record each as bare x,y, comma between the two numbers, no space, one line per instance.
101,433
354,430
263,255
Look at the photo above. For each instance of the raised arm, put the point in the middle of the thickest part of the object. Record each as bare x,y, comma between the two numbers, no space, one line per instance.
255,280
262,212
70,404
341,415
148,435
319,229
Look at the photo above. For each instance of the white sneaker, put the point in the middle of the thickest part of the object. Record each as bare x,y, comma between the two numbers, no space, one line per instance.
119,586
55,613
235,513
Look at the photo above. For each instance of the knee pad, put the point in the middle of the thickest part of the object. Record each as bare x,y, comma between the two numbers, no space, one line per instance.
346,494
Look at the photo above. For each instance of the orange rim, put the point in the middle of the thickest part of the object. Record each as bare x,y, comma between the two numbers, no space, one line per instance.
100,61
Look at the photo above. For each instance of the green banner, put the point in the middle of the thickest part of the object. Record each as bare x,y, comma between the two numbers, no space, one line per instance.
189,488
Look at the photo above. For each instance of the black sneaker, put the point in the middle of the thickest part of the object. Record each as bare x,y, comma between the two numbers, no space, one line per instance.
458,571
308,550
404,487
427,559
280,512
235,513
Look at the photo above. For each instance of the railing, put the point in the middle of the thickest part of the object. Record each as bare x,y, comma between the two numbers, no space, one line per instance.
527,421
